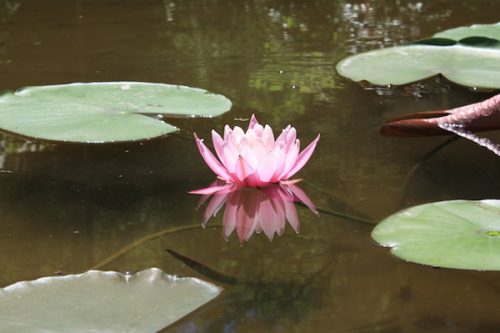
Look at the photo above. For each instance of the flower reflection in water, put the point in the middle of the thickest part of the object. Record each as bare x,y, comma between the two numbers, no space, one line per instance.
250,210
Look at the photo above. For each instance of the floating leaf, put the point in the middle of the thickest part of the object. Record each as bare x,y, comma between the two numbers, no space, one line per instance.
454,234
485,30
468,66
98,301
473,61
103,111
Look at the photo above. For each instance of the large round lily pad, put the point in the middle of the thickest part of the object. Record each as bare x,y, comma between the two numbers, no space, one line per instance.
454,234
103,111
98,301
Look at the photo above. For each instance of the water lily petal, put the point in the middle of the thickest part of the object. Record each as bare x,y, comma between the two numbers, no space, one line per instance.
253,122
253,153
246,214
290,161
237,135
267,167
227,132
302,197
218,144
230,217
303,157
282,136
290,181
271,217
291,136
212,189
243,170
291,215
210,159
268,137
215,204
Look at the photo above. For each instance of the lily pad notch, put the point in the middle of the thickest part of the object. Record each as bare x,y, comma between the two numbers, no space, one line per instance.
461,234
104,112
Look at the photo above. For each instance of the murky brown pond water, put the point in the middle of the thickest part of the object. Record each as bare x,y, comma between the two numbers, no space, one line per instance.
64,208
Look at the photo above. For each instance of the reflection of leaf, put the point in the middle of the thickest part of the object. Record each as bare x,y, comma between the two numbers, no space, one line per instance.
98,301
104,111
454,234
473,61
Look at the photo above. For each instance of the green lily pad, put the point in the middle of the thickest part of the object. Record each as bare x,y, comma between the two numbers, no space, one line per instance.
485,30
453,234
472,61
103,111
464,65
97,301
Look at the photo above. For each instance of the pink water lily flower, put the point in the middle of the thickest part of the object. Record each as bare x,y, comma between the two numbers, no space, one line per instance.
255,158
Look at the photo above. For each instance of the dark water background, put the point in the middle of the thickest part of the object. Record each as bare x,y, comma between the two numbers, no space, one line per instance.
66,207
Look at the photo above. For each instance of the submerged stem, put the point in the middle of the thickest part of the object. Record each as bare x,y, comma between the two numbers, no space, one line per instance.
145,239
335,213
343,215
422,160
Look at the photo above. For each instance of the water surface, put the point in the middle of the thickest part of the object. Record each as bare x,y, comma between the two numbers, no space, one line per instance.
67,207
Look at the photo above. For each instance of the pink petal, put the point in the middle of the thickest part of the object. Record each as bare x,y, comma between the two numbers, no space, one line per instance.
243,170
291,215
247,210
227,132
268,137
267,167
205,197
274,191
287,137
229,220
238,133
290,161
230,157
291,136
251,136
302,197
210,159
271,216
218,143
303,158
214,206
290,181
282,136
212,189
253,122
253,152
258,129
280,159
